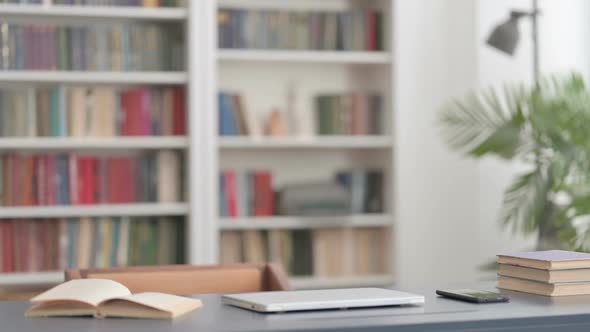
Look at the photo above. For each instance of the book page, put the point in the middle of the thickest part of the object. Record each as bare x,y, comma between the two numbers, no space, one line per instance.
172,305
90,291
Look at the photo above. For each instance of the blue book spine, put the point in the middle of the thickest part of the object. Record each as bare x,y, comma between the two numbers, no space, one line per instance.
64,183
343,178
73,227
97,249
227,122
223,211
116,227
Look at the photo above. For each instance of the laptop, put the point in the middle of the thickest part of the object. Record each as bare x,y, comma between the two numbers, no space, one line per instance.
284,301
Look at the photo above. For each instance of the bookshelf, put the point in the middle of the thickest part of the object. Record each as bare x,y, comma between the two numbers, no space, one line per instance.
209,70
181,211
343,142
288,222
127,210
93,12
90,143
69,77
265,78
335,57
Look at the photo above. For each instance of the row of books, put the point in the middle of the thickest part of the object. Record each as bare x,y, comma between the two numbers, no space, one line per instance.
78,179
251,193
349,114
246,193
98,47
92,111
57,244
130,3
354,30
329,252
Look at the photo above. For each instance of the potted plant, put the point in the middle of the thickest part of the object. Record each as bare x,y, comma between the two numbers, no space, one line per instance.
546,130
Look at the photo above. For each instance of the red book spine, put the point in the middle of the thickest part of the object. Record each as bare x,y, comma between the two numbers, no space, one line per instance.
90,179
263,194
131,103
179,112
231,193
137,113
7,246
371,37
112,181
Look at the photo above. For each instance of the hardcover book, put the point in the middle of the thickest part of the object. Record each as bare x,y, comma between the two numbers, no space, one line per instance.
547,260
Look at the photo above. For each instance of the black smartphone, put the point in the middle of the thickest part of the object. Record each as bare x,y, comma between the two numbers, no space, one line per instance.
472,295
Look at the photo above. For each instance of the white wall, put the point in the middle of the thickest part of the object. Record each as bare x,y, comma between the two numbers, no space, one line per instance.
494,175
563,32
436,202
447,206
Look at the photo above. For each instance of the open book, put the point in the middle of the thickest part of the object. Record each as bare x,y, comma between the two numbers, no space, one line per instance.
107,298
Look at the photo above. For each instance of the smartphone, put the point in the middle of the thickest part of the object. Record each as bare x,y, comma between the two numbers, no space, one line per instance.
472,295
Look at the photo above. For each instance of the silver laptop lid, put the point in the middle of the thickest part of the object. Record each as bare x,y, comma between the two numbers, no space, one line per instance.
321,299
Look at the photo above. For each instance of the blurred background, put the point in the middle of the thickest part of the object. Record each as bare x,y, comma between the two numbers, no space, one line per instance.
314,134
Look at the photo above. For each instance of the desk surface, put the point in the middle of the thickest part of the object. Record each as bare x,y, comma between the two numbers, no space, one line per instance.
524,312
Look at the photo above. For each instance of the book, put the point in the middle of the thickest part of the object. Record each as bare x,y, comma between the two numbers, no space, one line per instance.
107,298
547,276
547,260
541,288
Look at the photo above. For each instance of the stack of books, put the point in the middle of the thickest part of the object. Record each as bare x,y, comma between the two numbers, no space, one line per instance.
549,273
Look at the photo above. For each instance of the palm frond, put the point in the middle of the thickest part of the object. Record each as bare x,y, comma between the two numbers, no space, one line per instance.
525,201
487,124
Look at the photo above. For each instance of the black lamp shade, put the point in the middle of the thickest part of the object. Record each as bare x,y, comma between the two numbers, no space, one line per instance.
505,36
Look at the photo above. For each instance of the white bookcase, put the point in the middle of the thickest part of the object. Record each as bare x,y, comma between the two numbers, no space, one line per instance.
301,157
262,77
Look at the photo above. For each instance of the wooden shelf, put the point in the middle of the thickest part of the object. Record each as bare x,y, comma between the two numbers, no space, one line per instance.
280,222
115,77
31,278
112,210
93,12
111,143
340,282
344,57
317,142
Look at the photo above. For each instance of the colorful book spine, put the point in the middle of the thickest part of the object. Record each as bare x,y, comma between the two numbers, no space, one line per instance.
92,112
246,193
355,30
349,114
57,244
82,48
71,179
